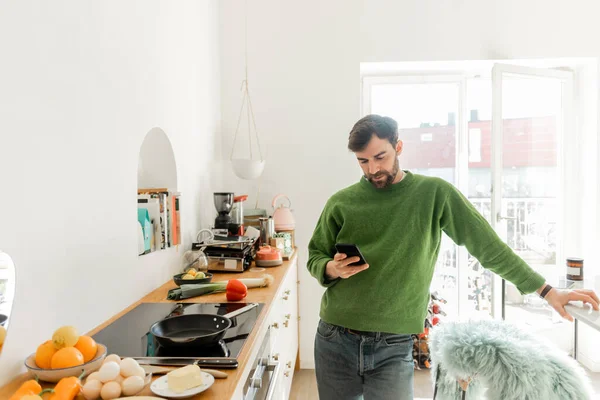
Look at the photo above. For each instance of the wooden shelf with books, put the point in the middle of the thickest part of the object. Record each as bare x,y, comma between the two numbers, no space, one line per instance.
159,219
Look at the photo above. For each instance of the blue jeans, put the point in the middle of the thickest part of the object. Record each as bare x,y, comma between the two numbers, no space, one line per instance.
350,365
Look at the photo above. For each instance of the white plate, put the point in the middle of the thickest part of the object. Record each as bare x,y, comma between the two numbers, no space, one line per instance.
160,387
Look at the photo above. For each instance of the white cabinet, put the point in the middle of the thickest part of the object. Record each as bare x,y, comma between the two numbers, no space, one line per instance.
284,331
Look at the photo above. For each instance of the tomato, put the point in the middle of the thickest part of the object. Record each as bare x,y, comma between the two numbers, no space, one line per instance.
235,290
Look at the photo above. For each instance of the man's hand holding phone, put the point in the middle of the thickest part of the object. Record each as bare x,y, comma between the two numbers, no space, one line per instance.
339,267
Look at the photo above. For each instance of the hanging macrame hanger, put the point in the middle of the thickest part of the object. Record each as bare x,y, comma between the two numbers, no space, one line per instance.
246,97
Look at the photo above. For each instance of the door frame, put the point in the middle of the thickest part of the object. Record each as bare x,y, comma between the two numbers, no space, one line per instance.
461,143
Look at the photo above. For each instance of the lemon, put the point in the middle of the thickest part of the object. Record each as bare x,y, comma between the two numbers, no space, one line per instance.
65,336
188,277
200,275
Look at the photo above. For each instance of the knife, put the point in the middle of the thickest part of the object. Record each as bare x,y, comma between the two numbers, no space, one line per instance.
161,370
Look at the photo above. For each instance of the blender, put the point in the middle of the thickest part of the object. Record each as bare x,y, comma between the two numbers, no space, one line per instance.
223,204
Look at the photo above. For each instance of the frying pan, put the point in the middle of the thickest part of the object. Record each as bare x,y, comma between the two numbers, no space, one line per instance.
194,329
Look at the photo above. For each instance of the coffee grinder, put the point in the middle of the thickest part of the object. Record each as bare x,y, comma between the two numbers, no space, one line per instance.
223,204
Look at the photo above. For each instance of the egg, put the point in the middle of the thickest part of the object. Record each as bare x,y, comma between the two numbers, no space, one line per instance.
119,379
140,372
92,376
109,372
112,357
132,385
91,389
129,366
110,390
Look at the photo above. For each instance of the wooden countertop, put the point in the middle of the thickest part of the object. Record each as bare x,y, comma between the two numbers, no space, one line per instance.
222,388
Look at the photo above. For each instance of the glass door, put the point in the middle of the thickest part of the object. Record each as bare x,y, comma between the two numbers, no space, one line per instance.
427,110
531,110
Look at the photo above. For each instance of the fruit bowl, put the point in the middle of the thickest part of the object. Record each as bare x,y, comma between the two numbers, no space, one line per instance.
54,375
178,279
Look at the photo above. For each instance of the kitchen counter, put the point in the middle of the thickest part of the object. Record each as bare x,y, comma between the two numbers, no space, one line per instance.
222,388
585,314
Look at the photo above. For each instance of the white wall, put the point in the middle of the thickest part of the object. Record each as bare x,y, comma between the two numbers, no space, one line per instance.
304,60
81,83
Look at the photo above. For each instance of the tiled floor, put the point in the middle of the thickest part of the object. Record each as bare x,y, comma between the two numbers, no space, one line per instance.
304,386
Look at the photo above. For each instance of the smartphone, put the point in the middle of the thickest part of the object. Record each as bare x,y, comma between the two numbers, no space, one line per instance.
351,250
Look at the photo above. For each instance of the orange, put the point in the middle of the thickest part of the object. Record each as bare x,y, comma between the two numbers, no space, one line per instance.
87,346
44,353
66,357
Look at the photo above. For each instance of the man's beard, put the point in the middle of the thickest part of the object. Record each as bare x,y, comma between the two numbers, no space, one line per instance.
389,176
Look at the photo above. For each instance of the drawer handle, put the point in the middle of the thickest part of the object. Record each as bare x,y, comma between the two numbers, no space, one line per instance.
286,323
288,316
289,364
276,325
276,357
287,292
285,297
286,373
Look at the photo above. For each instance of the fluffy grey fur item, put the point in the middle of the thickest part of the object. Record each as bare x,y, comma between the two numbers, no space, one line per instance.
509,362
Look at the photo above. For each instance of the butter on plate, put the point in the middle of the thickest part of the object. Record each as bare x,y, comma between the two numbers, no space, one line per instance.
184,378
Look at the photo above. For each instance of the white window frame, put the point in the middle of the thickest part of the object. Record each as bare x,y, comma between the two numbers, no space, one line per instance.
566,165
462,144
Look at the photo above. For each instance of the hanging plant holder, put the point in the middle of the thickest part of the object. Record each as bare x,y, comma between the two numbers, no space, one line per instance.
247,168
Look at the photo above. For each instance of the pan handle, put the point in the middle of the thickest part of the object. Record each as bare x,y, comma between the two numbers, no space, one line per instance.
241,310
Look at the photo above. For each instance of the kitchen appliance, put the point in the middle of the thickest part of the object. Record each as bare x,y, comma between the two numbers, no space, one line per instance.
283,217
223,203
194,329
236,227
129,335
251,216
262,380
235,256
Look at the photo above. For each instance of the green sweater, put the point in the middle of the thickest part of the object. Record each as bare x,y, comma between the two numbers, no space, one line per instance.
398,230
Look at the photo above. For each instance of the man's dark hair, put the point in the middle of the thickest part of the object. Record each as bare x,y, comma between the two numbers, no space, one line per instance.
373,124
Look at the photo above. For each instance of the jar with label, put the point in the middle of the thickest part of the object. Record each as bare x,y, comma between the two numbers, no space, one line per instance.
574,269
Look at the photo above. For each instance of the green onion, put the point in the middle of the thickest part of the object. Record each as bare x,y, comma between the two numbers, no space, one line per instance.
199,289
263,281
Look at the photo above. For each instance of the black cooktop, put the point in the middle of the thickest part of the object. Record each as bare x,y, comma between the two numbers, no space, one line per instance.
128,336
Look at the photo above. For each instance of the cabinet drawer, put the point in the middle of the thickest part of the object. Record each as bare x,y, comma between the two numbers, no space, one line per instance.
288,375
283,310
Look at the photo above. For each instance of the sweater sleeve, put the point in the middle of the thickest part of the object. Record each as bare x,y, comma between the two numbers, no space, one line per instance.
321,247
461,221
